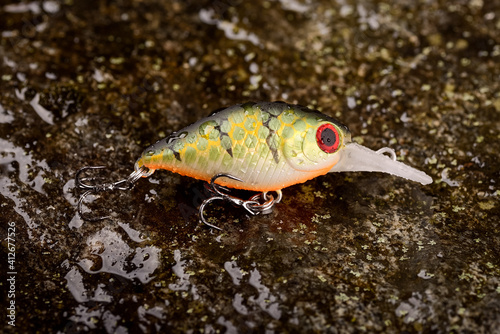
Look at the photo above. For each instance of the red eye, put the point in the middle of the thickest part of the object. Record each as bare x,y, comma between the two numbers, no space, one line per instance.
328,138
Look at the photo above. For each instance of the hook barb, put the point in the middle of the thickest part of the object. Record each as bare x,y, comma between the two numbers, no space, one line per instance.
80,182
85,216
202,208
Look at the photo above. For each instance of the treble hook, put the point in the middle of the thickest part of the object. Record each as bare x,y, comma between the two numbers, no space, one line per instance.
125,184
253,206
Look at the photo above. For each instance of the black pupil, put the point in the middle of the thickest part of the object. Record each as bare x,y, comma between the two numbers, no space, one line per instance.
328,137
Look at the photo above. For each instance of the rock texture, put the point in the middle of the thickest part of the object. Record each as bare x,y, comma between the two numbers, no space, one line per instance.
95,82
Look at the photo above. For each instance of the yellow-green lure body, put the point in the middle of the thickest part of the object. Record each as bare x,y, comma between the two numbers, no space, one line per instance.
268,146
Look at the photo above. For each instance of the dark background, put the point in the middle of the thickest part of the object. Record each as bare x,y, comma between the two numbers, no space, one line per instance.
95,82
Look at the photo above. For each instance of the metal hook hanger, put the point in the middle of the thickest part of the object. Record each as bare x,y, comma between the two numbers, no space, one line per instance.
125,184
389,151
252,205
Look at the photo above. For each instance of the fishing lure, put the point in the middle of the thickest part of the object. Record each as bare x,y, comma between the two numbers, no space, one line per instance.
262,147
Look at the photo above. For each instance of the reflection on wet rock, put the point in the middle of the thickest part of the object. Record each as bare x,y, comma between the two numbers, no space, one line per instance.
107,252
179,269
265,300
80,293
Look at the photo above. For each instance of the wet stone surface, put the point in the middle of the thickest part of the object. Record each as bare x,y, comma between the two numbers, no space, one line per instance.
94,83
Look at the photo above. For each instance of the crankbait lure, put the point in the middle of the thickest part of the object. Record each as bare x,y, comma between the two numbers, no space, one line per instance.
263,147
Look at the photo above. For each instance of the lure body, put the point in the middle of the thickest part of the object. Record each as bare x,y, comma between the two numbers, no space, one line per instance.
267,145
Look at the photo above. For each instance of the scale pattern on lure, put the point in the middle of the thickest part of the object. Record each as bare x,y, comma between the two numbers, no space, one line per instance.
268,146
262,147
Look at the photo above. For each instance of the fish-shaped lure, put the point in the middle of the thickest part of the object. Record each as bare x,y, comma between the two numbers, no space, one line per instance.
263,147
267,146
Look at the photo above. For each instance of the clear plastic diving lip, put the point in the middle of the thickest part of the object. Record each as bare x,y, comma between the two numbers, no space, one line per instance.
358,158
